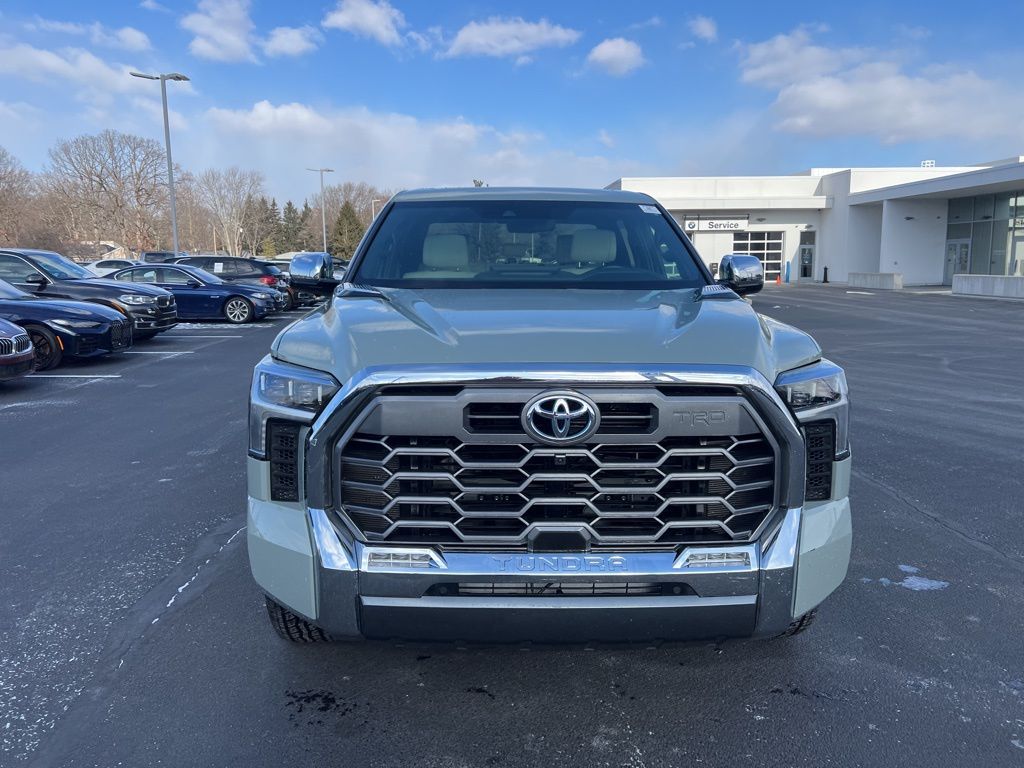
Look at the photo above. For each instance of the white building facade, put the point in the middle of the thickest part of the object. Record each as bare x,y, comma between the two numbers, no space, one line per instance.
924,224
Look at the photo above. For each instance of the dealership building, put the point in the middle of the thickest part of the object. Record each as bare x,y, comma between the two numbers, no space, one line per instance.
881,227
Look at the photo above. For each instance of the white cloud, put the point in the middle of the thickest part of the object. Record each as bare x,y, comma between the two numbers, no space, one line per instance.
704,27
654,21
378,20
124,38
509,37
292,41
222,29
832,91
791,57
153,5
617,56
605,138
388,149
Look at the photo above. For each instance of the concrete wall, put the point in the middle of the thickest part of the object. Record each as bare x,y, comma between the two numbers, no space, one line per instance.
887,281
913,240
989,285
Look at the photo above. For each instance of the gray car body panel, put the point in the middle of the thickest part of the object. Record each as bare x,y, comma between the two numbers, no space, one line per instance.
459,326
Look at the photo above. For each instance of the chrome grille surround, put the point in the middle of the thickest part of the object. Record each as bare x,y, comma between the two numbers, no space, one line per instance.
353,405
15,345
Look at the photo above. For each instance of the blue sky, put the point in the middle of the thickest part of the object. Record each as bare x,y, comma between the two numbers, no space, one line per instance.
407,93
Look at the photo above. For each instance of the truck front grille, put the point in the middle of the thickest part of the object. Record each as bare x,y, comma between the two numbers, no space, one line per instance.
620,489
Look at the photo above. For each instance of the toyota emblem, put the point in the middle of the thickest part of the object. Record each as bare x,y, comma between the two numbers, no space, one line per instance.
560,418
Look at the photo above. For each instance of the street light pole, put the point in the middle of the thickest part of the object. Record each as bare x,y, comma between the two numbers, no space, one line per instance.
373,208
323,200
178,77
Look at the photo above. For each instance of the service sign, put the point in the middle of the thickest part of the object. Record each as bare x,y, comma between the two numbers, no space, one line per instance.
715,224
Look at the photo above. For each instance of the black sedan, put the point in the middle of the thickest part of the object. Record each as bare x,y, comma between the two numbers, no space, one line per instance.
17,357
202,296
60,329
51,276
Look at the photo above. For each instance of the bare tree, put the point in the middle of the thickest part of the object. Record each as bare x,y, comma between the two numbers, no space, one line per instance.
111,186
15,190
359,194
228,195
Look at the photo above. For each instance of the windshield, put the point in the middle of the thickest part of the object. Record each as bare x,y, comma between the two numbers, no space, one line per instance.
58,267
527,244
201,274
8,291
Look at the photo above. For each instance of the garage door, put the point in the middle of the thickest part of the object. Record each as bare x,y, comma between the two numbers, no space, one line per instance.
767,246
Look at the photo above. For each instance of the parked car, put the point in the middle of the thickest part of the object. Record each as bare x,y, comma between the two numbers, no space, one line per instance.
234,269
104,267
160,257
17,355
60,329
587,448
51,276
203,296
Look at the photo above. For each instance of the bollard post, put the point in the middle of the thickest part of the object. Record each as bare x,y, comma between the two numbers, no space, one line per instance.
825,279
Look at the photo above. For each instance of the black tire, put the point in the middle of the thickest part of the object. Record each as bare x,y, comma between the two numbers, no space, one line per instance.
48,350
144,335
290,304
290,627
238,310
801,625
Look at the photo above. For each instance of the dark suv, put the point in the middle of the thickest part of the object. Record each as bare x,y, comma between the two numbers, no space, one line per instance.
234,269
49,275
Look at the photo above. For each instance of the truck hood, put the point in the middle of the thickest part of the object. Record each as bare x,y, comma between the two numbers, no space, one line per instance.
521,327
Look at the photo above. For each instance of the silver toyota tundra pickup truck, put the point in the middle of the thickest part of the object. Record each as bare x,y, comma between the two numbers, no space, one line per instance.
533,415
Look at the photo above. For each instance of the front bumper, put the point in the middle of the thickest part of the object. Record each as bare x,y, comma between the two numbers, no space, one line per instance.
154,318
306,563
13,366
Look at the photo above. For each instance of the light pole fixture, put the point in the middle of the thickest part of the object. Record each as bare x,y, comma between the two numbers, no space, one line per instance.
180,78
373,207
323,200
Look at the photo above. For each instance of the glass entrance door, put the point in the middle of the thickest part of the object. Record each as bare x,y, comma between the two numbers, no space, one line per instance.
958,259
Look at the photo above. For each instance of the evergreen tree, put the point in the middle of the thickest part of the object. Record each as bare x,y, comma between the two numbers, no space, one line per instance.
291,228
346,233
272,244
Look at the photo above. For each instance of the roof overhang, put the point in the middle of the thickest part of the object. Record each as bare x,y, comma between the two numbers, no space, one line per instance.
815,202
984,181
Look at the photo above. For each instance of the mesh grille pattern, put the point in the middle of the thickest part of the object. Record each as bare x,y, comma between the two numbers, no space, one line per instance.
821,451
283,450
407,489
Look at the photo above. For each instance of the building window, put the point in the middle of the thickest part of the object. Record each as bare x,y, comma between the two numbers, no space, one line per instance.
988,231
767,246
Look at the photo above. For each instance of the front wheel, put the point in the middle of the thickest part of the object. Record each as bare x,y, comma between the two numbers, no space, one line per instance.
292,628
238,310
48,349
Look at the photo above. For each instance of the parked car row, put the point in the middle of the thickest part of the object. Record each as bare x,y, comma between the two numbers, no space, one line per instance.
53,309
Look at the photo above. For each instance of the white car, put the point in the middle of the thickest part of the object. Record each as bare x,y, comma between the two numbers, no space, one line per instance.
106,266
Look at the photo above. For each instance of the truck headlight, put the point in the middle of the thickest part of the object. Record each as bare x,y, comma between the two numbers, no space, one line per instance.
136,299
284,391
816,392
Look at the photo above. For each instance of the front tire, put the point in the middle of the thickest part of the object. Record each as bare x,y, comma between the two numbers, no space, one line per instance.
48,350
802,624
238,310
292,628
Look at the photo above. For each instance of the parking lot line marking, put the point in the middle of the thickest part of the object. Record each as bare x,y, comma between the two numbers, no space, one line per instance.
204,336
160,352
75,376
861,293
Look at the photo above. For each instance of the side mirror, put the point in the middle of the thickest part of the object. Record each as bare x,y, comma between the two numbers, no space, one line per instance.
194,284
35,279
742,273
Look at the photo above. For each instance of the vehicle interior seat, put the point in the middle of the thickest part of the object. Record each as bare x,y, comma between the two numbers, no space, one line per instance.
444,256
591,248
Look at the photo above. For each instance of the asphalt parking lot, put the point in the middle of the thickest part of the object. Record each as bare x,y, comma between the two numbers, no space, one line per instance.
132,634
